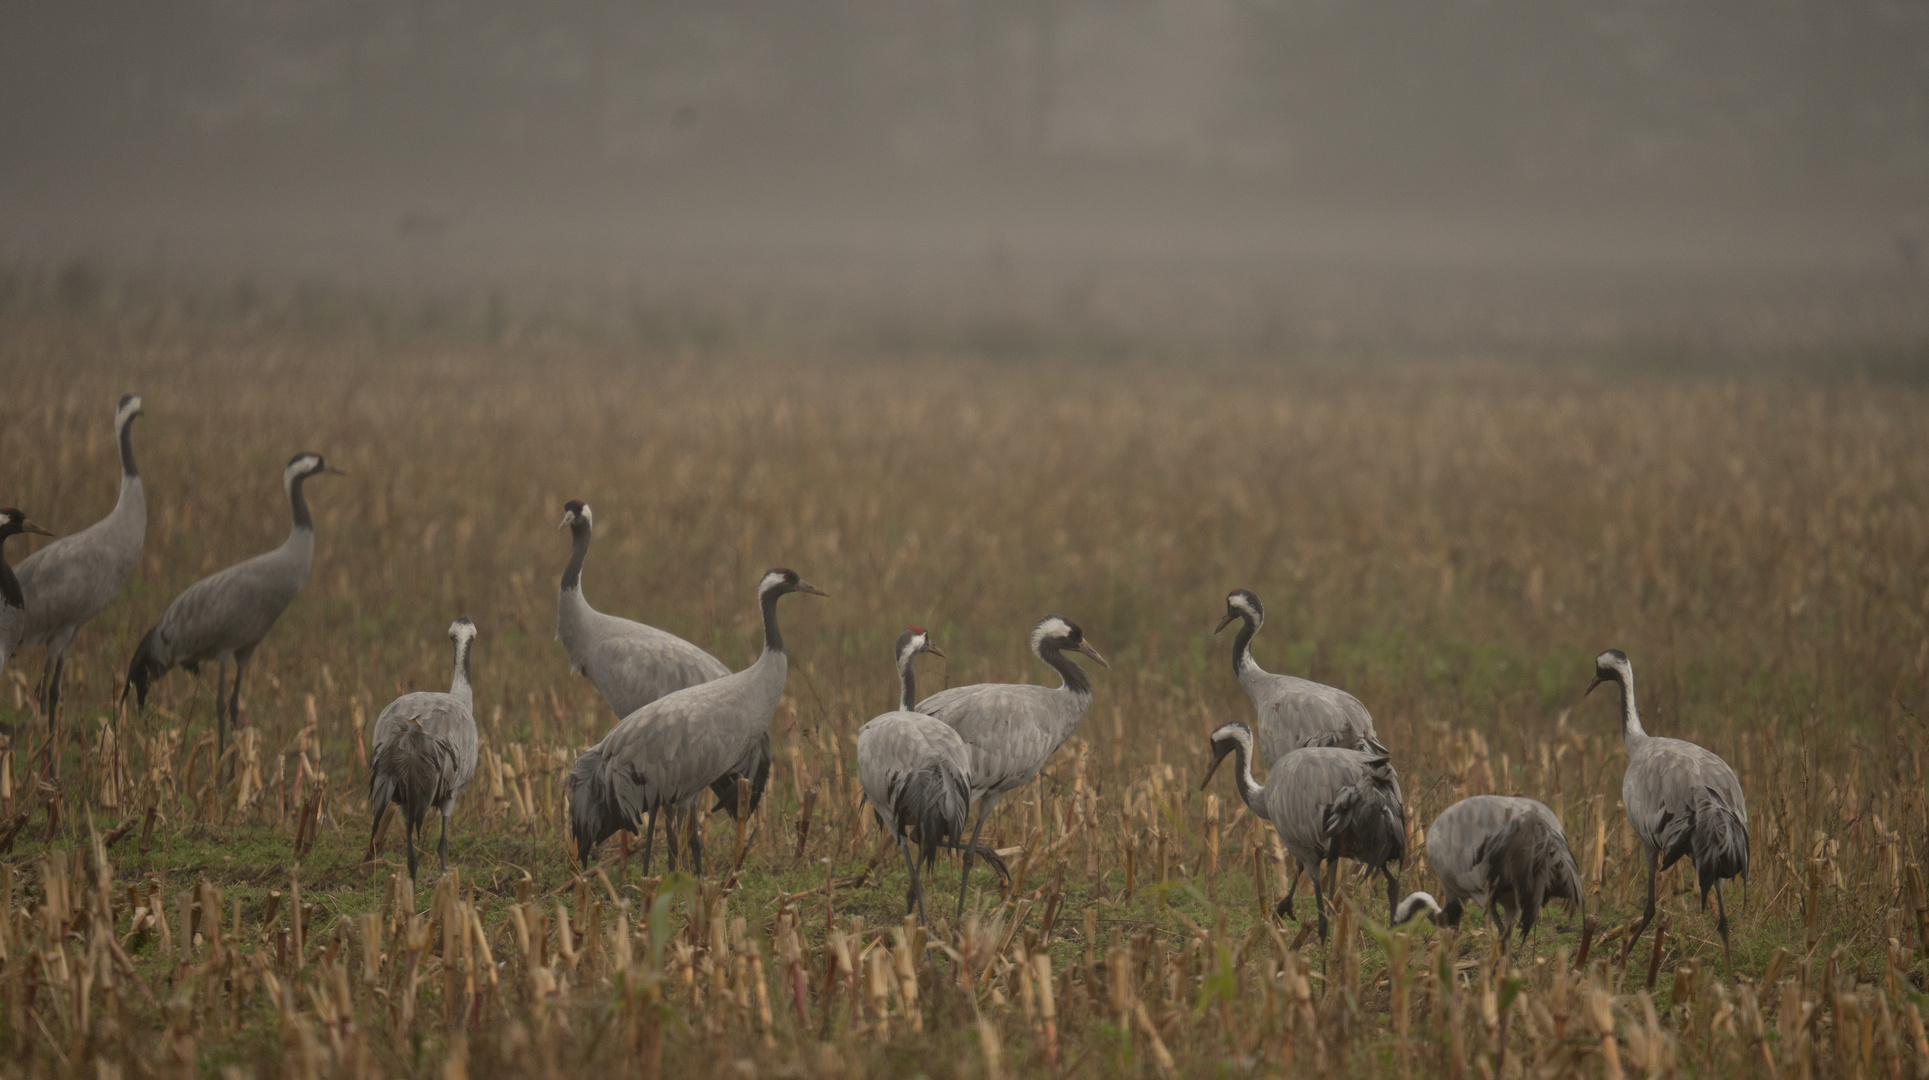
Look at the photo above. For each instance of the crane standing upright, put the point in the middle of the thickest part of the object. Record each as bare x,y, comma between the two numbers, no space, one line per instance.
224,616
1292,712
1014,728
73,579
425,751
666,753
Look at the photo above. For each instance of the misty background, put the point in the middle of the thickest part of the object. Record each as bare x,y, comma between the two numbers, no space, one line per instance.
1260,173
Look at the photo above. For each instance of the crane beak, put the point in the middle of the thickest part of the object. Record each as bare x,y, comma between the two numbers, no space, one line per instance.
1213,768
932,648
1086,648
1223,623
331,470
28,526
1590,686
568,520
807,587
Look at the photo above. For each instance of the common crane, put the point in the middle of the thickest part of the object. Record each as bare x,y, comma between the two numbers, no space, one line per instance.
1014,728
425,751
1506,853
1292,712
1327,803
13,605
1681,799
667,752
224,616
916,773
631,665
73,579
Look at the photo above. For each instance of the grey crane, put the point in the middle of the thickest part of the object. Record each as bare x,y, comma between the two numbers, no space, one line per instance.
1507,853
224,616
631,665
1327,803
1681,799
1014,728
13,605
425,751
73,579
1292,712
667,752
916,773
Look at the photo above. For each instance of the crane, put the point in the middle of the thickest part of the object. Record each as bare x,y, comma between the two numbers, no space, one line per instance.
1014,728
73,579
1291,712
425,751
667,752
1681,799
916,774
1327,803
225,615
1508,854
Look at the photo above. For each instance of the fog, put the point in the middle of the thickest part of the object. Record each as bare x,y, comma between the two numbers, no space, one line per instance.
1230,155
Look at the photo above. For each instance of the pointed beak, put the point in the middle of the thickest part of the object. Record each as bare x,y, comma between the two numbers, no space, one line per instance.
1223,623
1213,768
331,470
568,520
1598,680
807,587
1086,648
28,526
932,648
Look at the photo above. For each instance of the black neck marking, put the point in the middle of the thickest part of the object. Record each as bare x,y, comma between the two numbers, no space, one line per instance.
1075,678
1249,789
9,585
300,504
579,531
773,637
907,683
127,450
462,659
1242,645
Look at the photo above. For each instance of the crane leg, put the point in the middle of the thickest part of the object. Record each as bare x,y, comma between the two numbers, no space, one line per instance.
672,816
408,839
695,819
50,688
1284,909
649,839
915,894
1647,914
375,828
1319,902
1721,926
1392,887
985,807
234,697
442,849
220,713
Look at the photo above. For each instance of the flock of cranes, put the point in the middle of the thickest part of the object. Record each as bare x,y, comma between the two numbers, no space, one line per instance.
688,724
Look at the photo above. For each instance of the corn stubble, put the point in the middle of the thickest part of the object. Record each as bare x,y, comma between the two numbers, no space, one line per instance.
1453,544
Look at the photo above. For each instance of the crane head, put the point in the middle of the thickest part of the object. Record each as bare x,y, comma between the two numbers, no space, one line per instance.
1242,604
128,409
1225,739
574,511
303,466
1058,632
12,521
780,580
1413,905
914,640
1611,666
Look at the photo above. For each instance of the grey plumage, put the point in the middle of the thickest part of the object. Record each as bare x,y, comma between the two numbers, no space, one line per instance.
1290,712
225,615
73,579
13,605
1327,803
916,774
425,751
632,664
666,753
1012,729
1681,799
1508,854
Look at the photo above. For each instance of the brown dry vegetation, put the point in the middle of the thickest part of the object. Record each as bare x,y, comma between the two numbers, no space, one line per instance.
1452,542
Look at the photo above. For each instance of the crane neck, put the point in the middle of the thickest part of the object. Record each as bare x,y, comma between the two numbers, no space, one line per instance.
126,435
579,532
907,683
460,685
298,503
9,584
1076,680
1249,788
773,635
1631,730
1242,647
